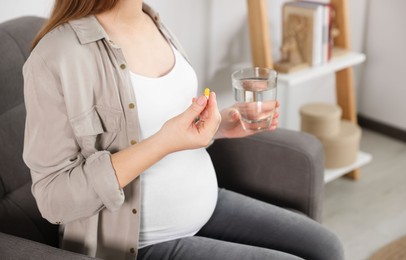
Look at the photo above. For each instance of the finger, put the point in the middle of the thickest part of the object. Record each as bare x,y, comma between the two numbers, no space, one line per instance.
274,124
276,115
266,106
195,109
212,104
212,101
233,115
212,110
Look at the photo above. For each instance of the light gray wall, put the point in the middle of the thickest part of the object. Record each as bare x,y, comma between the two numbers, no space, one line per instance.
383,93
215,35
13,8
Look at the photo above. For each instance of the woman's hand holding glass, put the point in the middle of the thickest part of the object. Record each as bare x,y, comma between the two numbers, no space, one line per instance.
231,125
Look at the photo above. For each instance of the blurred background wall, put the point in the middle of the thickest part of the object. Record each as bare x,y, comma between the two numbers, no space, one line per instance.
215,36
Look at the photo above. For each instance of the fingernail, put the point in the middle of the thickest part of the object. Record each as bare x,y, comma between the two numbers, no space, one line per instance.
201,100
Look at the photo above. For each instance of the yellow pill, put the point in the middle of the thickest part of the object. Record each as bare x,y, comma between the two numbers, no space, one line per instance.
207,92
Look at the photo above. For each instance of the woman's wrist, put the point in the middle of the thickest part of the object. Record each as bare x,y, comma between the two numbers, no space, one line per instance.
219,134
131,162
164,144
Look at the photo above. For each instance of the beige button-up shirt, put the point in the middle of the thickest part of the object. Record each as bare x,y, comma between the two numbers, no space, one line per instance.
81,107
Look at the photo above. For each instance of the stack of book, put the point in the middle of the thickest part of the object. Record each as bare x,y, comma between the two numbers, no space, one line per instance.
307,37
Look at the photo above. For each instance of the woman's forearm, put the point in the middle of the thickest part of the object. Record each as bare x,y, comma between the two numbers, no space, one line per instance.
132,161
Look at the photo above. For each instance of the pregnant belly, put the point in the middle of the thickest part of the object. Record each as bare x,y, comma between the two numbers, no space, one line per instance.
179,195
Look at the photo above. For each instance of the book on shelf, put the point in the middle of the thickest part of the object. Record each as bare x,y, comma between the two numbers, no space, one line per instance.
318,1
310,24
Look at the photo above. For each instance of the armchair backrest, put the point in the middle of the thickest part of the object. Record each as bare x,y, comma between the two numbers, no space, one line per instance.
19,214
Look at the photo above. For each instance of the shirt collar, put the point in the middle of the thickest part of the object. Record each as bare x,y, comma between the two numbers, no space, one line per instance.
88,29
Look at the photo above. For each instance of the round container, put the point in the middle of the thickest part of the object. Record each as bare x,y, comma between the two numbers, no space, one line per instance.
320,119
342,150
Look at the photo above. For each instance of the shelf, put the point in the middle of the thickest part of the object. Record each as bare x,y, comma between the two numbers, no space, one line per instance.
341,64
332,174
337,63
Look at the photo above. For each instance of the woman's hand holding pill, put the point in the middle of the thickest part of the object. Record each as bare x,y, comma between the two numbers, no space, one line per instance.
194,128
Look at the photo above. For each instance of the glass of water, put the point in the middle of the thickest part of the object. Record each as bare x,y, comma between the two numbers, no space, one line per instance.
255,96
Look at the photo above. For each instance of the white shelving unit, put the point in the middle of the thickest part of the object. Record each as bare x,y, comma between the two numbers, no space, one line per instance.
341,65
291,91
337,63
292,79
332,174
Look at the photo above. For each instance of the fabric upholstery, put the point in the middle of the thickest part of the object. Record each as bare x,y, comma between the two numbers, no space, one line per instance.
284,168
16,40
18,212
16,248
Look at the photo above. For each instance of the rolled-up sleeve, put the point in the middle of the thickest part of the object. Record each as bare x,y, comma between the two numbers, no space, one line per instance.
66,185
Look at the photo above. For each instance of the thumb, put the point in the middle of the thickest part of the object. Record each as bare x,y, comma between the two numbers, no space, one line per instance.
195,109
233,115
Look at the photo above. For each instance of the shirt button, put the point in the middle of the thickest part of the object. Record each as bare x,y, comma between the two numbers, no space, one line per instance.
131,105
134,211
133,142
132,250
123,66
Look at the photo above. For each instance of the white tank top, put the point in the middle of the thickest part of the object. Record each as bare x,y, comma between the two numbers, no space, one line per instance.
178,193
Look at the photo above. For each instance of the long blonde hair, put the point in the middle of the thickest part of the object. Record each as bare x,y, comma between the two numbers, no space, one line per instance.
66,10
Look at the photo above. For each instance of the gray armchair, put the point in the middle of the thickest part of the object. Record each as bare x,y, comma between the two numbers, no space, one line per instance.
283,167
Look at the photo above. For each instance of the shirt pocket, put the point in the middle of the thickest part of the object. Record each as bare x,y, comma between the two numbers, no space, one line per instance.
97,129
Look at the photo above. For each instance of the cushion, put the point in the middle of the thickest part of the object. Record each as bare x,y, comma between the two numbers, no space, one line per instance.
19,214
15,38
13,171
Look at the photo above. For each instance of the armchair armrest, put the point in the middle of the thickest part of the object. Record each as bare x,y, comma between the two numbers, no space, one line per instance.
283,167
12,247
